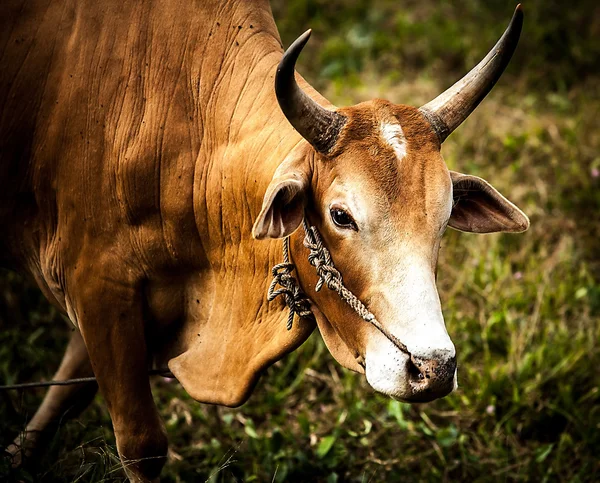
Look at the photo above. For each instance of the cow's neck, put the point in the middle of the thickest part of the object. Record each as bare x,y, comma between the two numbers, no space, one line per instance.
245,139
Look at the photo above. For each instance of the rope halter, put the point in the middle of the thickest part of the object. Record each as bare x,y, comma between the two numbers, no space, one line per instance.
320,258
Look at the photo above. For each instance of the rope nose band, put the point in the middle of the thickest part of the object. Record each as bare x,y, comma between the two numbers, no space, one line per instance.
320,258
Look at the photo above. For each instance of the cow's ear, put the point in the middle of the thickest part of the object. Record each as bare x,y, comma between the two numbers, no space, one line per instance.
479,208
283,205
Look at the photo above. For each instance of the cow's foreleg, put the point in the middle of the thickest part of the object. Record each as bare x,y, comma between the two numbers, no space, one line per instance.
111,318
60,402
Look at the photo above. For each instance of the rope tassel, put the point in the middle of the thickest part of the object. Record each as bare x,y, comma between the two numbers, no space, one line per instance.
295,298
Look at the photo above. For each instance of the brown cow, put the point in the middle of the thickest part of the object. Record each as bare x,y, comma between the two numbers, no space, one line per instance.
143,151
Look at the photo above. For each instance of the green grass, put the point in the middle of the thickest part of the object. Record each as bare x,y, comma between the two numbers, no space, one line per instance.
523,311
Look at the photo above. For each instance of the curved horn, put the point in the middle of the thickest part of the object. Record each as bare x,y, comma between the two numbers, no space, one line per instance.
319,126
448,110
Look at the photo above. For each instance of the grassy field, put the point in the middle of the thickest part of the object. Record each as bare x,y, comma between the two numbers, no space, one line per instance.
523,310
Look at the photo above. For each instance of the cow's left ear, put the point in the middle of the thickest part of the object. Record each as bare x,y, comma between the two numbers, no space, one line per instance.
479,208
283,205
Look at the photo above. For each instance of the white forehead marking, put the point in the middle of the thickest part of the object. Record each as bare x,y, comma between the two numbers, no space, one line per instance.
394,136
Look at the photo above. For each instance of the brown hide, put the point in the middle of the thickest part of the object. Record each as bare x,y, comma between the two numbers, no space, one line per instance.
137,141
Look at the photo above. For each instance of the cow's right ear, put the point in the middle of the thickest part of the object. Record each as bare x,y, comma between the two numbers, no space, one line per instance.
283,205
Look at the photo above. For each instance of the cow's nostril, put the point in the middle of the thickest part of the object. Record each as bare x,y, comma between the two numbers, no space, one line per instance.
423,371
431,378
414,369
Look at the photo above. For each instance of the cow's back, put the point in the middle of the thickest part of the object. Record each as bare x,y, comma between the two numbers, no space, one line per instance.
97,123
123,128
25,62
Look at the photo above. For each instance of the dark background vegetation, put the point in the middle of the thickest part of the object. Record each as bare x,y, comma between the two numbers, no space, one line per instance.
523,310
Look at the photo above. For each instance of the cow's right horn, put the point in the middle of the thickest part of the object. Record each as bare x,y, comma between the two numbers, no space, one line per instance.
448,110
319,126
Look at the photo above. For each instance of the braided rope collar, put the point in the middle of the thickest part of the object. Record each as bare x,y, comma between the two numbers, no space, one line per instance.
320,258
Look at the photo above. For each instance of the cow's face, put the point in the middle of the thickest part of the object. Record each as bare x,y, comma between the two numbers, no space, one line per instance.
382,201
382,205
375,185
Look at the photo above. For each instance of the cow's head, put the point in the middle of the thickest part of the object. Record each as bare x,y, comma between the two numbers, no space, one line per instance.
374,183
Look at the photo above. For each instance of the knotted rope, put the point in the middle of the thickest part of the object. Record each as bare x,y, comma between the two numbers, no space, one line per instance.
320,258
295,299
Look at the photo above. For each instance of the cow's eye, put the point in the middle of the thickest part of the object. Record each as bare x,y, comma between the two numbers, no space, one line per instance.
342,219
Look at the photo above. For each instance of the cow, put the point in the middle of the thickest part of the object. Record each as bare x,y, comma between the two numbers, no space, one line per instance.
154,155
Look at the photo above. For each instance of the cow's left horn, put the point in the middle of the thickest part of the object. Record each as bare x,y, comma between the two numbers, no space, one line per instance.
448,110
319,126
